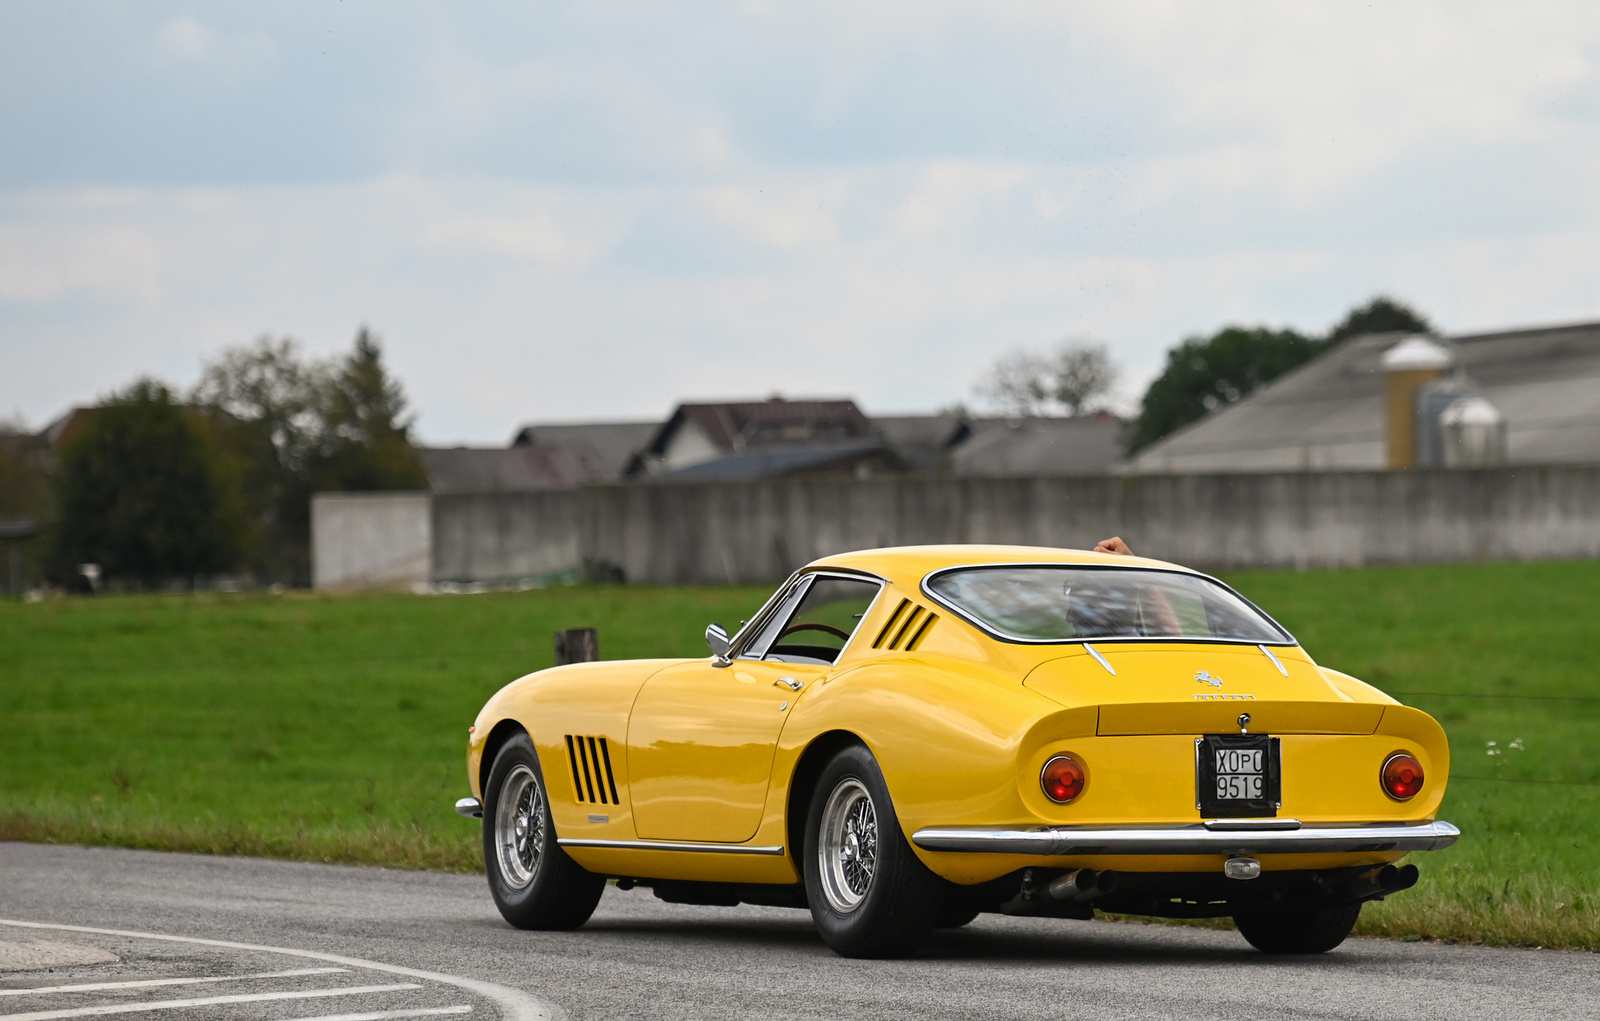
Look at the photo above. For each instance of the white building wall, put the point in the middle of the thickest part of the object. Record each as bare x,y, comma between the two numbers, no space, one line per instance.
371,540
689,446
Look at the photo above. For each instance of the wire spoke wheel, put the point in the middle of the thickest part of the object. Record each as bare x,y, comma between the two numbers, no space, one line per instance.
868,892
847,850
519,827
534,883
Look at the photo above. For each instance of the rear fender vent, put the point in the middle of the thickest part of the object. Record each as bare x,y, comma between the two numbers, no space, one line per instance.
906,627
592,778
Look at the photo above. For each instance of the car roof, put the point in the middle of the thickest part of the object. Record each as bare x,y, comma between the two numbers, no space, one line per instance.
910,564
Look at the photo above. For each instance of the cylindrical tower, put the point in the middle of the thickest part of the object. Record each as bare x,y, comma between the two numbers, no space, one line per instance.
1408,365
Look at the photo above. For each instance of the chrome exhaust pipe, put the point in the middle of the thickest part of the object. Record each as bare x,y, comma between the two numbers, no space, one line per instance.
1382,882
1082,886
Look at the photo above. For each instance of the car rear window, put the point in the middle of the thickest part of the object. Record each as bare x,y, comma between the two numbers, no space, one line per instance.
1066,603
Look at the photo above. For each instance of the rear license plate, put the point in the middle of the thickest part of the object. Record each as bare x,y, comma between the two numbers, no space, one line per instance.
1237,775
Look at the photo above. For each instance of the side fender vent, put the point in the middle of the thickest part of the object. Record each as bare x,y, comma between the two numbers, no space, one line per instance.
592,778
906,627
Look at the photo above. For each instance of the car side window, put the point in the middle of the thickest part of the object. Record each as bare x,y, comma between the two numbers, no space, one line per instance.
766,629
827,615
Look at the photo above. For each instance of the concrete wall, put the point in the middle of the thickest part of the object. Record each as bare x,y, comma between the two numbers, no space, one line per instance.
743,532
761,531
370,540
504,536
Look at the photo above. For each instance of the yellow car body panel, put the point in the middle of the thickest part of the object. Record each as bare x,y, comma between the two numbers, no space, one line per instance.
701,748
961,722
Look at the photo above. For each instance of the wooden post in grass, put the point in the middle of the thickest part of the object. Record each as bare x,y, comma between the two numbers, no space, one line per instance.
577,645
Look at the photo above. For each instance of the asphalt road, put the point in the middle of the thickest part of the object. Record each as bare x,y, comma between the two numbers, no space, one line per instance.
366,943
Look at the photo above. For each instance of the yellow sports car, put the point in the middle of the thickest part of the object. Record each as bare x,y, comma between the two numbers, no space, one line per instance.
903,738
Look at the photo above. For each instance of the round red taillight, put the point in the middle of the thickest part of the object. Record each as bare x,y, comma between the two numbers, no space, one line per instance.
1402,776
1062,779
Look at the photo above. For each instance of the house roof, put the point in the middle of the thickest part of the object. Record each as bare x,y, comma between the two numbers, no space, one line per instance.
491,469
1080,445
59,431
771,462
597,451
924,442
1329,413
541,456
739,425
776,437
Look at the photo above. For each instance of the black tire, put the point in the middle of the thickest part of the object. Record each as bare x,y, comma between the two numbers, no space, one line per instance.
535,885
1300,932
883,902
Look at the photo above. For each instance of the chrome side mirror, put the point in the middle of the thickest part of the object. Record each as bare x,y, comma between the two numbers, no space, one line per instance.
717,638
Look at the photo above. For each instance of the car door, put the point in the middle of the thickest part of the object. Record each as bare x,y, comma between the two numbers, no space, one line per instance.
701,735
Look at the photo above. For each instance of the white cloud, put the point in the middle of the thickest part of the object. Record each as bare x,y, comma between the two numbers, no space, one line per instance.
559,323
597,210
80,249
1315,96
185,39
801,217
185,43
550,229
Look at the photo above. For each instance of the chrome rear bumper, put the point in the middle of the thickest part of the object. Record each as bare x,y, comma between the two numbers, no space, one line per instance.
1220,836
469,807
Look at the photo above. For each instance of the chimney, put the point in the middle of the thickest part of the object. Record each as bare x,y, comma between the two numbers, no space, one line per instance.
1407,366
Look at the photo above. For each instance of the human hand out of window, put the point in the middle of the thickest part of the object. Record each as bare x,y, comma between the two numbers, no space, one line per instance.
1114,545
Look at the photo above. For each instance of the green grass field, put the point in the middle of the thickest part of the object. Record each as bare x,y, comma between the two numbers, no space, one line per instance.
303,726
333,727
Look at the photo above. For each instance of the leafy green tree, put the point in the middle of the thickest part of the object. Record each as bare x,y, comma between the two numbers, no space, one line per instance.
297,425
24,502
1380,315
23,492
267,395
366,432
143,490
1207,373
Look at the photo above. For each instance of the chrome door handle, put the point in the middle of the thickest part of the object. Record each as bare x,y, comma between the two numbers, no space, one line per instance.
787,682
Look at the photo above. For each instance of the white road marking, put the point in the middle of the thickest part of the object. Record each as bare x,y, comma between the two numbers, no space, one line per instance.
460,1008
516,1004
148,983
204,1001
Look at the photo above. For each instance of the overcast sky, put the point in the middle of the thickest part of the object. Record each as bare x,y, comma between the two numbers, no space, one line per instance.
587,211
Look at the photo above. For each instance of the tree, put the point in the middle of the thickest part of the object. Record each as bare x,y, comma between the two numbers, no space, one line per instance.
1018,384
1207,373
1380,315
1083,375
297,425
144,492
23,492
269,385
1026,384
24,502
366,433
267,396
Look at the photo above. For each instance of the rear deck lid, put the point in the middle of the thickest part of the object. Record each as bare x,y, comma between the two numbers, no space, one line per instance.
1200,689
